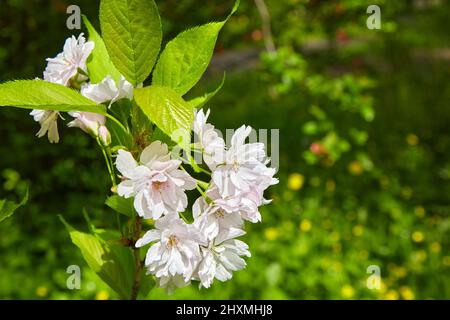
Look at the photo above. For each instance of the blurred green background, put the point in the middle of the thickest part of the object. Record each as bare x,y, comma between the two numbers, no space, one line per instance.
364,149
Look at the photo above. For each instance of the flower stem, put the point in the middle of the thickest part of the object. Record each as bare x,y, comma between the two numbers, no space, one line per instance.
111,164
137,262
183,217
117,122
204,170
108,161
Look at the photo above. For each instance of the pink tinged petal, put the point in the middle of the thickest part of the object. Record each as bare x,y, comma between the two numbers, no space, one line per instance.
176,265
125,188
233,261
88,122
125,89
167,221
209,227
158,210
218,178
141,173
240,135
207,270
236,180
163,164
149,236
159,177
125,163
189,182
101,92
155,150
198,208
248,174
183,179
253,217
227,234
222,274
233,220
187,251
251,151
238,246
138,205
168,195
182,201
228,188
153,254
87,50
104,135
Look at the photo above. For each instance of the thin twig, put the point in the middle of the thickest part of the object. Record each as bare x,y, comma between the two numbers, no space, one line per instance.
266,28
137,262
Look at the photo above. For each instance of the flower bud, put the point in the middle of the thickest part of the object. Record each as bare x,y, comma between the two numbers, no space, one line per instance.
104,135
93,124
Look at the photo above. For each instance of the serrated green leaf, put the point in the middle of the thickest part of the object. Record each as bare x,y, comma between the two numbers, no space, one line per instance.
199,102
7,207
99,63
121,205
185,58
132,34
167,109
114,264
39,94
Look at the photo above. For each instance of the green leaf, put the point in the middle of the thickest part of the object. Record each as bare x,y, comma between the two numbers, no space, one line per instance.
132,33
39,94
113,263
147,283
185,58
199,102
122,111
121,205
139,121
158,134
7,207
119,137
142,128
167,109
99,63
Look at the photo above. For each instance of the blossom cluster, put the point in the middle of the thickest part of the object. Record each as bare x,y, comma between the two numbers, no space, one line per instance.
69,69
208,248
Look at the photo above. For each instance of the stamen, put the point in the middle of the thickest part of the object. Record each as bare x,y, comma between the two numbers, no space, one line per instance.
173,241
220,213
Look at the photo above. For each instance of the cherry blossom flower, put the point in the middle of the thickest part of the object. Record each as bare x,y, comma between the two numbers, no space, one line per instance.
91,123
252,199
244,166
211,144
108,91
156,182
48,121
175,250
61,70
64,67
220,260
105,91
221,218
